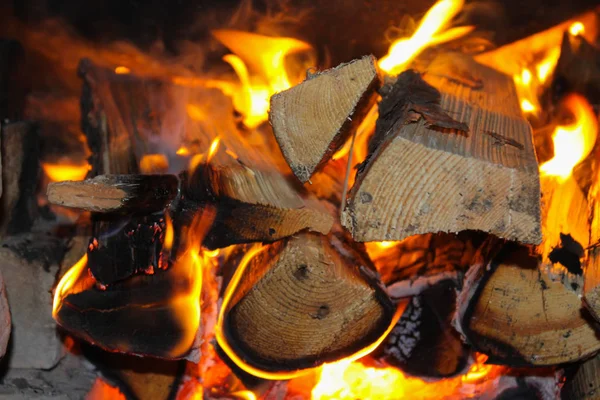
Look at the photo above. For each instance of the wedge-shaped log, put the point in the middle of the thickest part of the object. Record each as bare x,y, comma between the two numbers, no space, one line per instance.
116,193
512,310
583,380
427,172
313,119
304,301
254,205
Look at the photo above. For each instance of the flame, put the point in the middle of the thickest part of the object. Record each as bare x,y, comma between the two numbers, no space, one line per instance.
122,70
169,233
345,380
244,395
183,151
429,32
545,67
101,390
212,150
67,282
154,163
259,64
526,91
66,172
221,338
577,28
196,113
573,142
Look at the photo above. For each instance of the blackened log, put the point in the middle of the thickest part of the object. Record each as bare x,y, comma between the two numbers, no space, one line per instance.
20,171
116,193
424,342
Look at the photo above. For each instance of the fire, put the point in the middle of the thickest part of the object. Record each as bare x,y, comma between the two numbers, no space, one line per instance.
122,70
545,67
65,172
154,164
478,370
577,28
195,112
259,62
67,283
103,391
212,150
183,151
169,233
573,142
429,31
224,344
526,90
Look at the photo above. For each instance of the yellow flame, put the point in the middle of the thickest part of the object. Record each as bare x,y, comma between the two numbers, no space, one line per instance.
154,164
240,362
404,50
478,370
573,142
244,395
67,282
259,64
214,146
526,91
183,151
65,172
577,28
545,67
122,70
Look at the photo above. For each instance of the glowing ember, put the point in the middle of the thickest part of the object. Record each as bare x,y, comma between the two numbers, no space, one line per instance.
576,29
65,172
122,70
259,62
573,142
183,151
478,370
403,51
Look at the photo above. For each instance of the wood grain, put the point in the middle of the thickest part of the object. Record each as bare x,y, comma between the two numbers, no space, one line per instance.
421,180
313,119
304,288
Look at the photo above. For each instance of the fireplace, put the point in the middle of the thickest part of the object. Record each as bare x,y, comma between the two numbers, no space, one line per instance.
222,200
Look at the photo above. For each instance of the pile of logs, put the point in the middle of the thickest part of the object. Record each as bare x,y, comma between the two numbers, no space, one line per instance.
451,154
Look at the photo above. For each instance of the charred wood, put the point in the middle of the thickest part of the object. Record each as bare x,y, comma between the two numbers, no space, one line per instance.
445,175
424,342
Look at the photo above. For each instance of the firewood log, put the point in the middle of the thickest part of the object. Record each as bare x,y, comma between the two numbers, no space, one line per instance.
5,319
423,342
20,172
427,172
294,291
313,119
582,381
591,285
116,193
254,205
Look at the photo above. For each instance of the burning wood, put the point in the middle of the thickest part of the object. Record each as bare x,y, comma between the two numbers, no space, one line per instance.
294,291
254,205
313,119
116,193
428,173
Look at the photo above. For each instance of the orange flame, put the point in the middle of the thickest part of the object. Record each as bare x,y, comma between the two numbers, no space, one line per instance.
429,32
183,151
573,142
103,391
259,64
122,70
65,172
154,164
345,380
240,362
169,233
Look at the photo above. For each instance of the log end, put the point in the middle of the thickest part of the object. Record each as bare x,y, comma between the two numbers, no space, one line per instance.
313,119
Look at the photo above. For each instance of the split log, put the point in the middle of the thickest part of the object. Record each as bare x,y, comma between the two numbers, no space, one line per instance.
116,193
582,381
20,172
424,342
429,173
313,119
554,327
591,285
253,205
305,287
